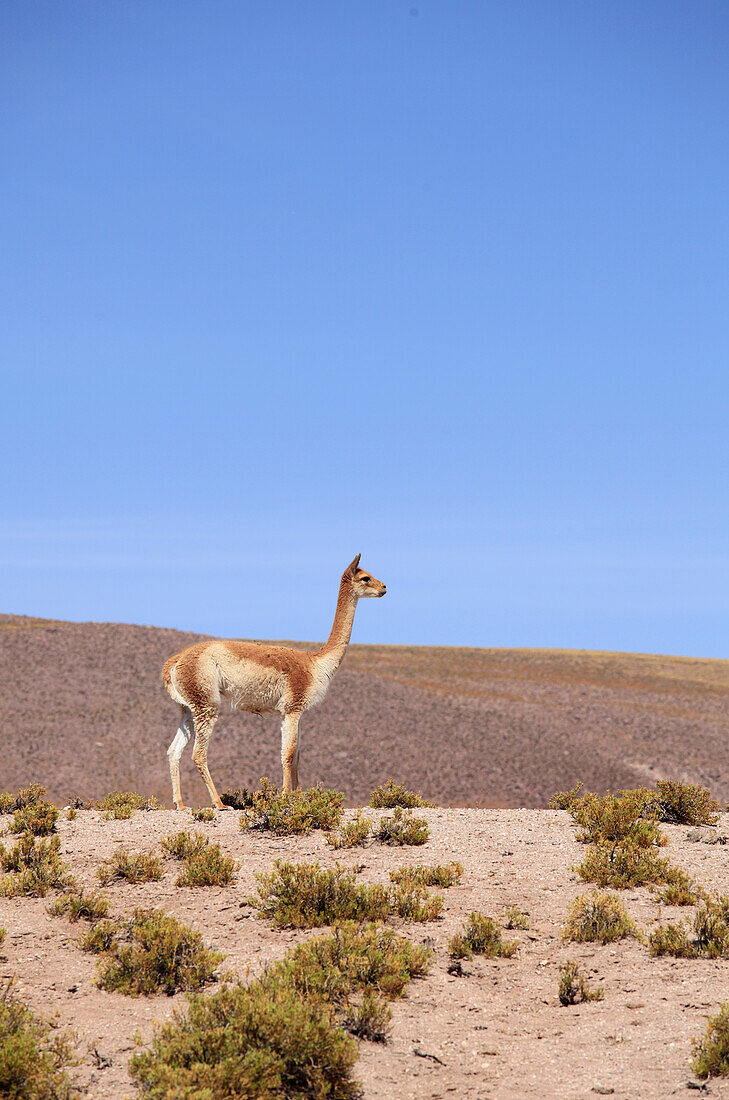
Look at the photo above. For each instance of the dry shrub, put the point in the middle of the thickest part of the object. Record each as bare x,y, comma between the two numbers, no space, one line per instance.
204,813
515,918
711,1053
131,867
302,896
368,1017
76,905
710,933
391,794
38,818
352,833
289,813
681,891
250,1042
401,829
442,875
564,800
598,917
182,845
149,953
481,936
26,796
120,805
574,987
238,799
624,864
71,813
208,867
686,803
414,903
33,1056
33,867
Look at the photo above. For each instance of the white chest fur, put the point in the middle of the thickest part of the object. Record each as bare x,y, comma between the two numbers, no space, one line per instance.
322,671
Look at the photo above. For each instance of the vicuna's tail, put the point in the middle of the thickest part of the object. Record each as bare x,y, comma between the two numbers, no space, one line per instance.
167,676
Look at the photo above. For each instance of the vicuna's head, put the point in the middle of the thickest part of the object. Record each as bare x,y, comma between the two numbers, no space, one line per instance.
363,583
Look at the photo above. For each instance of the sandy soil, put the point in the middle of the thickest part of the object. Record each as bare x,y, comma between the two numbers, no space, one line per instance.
83,712
497,1031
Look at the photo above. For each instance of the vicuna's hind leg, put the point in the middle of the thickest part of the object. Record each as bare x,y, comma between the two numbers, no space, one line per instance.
174,752
204,723
289,745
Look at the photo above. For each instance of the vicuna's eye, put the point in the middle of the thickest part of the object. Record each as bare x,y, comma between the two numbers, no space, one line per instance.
366,578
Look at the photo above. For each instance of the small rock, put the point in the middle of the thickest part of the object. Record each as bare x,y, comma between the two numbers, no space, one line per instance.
707,834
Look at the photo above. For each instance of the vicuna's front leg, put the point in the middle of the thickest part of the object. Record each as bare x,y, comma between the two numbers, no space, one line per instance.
289,760
203,729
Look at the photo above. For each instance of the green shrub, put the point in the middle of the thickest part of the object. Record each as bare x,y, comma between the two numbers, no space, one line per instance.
350,834
368,1017
353,959
288,813
149,953
33,1057
239,799
565,800
76,905
38,818
208,867
204,813
26,796
597,917
33,867
391,794
414,903
711,1054
481,936
625,816
710,933
686,803
515,918
442,875
625,863
71,813
681,891
402,828
120,805
182,845
574,987
3,934
302,896
251,1042
131,866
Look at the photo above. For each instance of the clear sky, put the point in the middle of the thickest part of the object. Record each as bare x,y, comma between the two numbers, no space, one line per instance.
441,282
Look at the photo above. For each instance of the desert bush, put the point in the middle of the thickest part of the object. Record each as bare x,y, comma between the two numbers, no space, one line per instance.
515,918
150,952
34,1057
33,867
368,1017
120,805
574,987
288,813
238,799
3,934
414,903
71,813
130,866
302,896
353,959
711,1053
38,818
710,933
480,936
686,803
598,917
391,794
76,905
564,800
204,813
208,867
442,875
625,863
401,829
182,845
26,796
251,1042
682,890
625,816
351,833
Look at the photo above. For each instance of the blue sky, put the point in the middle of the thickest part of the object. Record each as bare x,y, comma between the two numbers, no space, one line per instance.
444,283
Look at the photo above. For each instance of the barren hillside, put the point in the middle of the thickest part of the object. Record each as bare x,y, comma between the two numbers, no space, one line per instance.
83,712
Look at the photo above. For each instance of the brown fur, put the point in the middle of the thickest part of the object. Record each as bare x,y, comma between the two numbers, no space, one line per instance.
289,682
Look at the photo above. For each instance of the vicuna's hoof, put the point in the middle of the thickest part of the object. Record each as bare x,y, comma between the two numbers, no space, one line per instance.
182,807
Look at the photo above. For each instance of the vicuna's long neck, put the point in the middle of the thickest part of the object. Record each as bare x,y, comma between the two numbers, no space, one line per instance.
341,632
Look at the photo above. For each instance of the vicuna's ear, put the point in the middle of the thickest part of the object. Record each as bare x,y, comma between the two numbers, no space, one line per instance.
352,569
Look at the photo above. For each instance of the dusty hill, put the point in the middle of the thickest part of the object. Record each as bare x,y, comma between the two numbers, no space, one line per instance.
83,712
497,1030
